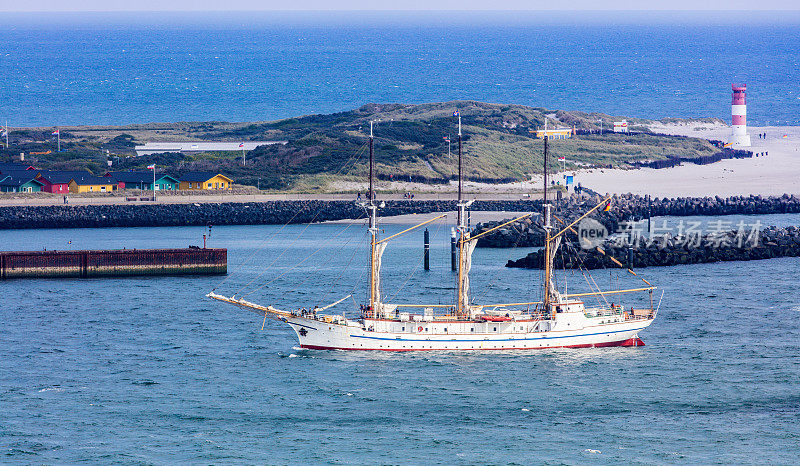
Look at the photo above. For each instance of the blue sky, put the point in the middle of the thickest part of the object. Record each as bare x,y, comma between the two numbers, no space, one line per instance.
266,5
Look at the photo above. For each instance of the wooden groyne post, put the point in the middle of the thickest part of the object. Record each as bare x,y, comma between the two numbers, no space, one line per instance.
427,250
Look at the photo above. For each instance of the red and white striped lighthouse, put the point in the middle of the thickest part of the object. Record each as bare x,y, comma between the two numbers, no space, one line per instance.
739,136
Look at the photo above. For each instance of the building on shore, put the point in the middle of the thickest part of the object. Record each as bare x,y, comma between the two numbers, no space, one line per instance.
14,167
205,180
621,126
91,184
143,181
57,181
20,182
553,133
201,146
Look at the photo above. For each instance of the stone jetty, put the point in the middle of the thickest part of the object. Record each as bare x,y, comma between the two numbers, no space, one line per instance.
232,213
668,249
628,207
625,207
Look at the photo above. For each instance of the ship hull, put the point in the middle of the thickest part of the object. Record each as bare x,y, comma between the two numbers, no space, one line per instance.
317,335
635,341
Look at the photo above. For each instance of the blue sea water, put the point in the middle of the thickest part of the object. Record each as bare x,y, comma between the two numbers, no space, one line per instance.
116,68
146,370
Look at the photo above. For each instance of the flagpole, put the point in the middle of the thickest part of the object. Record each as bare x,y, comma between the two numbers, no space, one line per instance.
58,136
154,182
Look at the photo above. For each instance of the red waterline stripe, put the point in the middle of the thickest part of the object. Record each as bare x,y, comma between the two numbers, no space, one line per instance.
628,342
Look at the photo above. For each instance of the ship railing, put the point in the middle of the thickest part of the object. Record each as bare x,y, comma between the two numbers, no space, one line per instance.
640,314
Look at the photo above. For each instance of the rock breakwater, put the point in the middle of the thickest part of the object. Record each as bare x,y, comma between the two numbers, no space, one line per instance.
735,245
232,213
626,207
630,207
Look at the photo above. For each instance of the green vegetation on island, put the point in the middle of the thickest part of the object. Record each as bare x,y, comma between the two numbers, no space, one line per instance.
410,140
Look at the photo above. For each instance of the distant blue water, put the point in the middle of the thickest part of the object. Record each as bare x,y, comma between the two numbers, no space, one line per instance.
61,69
145,370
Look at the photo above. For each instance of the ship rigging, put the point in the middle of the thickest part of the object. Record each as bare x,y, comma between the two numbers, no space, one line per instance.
557,320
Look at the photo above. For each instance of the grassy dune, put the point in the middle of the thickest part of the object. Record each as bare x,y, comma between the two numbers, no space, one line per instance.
409,140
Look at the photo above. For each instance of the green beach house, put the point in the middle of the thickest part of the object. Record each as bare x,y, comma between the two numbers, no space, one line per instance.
20,182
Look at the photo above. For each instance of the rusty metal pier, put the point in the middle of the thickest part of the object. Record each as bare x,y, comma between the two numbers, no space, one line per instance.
113,263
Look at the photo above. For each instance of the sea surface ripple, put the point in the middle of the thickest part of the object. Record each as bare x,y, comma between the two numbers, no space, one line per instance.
146,370
120,68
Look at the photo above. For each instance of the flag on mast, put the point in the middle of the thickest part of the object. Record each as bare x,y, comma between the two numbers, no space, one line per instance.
56,133
151,167
562,159
241,144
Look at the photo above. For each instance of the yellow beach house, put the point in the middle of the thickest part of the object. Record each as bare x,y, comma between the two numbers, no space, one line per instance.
91,184
553,133
204,180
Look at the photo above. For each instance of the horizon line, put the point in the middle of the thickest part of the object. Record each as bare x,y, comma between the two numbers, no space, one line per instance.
427,10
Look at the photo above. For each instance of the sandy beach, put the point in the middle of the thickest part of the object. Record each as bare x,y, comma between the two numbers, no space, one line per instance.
774,174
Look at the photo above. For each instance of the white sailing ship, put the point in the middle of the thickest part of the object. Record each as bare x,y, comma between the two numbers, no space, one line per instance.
558,320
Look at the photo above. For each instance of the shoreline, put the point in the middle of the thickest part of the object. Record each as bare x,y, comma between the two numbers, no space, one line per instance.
772,175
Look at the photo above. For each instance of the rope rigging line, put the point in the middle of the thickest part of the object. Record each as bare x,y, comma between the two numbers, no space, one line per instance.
249,258
355,158
364,268
331,256
497,277
339,277
416,268
252,256
584,271
299,263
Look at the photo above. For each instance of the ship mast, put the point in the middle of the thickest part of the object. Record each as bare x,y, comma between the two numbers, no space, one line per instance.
463,235
373,230
547,231
545,161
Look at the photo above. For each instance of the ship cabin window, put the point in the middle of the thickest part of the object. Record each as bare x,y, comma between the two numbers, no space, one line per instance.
472,329
445,330
495,329
402,329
